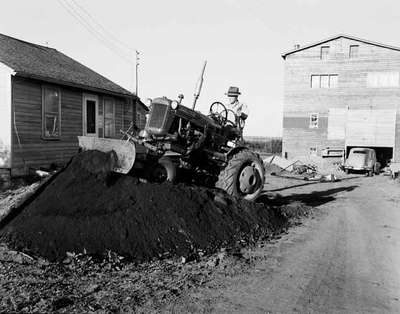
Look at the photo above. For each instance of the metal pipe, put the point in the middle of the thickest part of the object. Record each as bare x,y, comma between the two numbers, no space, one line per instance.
199,86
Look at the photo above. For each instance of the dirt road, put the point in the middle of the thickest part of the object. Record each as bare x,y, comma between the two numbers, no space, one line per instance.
346,260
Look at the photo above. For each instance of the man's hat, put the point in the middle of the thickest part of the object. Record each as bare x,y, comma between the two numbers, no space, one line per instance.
233,91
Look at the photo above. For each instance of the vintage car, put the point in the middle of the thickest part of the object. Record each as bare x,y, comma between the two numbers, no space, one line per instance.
362,160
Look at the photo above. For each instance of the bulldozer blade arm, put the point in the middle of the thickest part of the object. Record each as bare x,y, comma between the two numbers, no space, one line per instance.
124,150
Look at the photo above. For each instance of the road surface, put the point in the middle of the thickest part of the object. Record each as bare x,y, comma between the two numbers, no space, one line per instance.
346,260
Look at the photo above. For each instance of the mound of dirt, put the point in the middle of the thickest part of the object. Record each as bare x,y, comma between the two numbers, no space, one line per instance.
85,208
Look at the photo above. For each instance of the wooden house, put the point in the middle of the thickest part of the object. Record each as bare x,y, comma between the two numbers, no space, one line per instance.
47,99
341,92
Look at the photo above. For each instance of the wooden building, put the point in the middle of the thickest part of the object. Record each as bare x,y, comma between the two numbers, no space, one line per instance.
47,99
339,93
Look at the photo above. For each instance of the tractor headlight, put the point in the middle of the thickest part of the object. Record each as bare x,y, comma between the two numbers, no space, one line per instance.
144,134
174,104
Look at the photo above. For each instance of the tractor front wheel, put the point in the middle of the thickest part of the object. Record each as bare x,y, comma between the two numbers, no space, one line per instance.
243,176
164,170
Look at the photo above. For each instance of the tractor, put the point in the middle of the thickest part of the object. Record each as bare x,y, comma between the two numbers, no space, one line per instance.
181,144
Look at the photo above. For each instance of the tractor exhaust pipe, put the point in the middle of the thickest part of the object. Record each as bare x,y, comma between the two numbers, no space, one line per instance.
199,85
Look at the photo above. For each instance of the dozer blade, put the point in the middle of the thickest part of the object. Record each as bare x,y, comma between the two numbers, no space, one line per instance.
124,150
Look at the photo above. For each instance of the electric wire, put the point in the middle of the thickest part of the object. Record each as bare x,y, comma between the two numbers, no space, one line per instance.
89,27
108,33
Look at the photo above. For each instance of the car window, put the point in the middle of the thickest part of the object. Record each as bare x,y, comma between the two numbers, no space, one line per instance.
360,152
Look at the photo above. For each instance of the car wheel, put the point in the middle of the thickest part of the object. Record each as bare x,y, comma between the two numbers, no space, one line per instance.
377,168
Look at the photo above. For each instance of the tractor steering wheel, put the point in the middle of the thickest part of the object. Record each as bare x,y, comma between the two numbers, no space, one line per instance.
218,112
231,118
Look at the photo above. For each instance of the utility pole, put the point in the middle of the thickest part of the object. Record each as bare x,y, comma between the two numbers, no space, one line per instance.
136,71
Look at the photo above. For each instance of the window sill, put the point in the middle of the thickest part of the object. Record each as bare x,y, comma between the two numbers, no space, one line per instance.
51,138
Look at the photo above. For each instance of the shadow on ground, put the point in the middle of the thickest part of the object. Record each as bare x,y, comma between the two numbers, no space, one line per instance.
310,199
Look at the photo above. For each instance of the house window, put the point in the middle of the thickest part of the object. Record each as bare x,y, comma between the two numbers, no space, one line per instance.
324,81
51,112
383,79
315,81
324,52
109,117
333,80
353,51
314,121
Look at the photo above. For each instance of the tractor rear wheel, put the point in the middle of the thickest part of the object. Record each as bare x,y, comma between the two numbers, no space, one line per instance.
243,176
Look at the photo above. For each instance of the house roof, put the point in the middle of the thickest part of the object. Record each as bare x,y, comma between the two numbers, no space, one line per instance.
336,37
142,105
48,64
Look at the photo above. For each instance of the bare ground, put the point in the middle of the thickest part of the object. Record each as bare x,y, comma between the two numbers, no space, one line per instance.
344,261
343,258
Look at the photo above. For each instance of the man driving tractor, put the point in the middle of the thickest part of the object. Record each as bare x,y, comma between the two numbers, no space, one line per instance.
240,109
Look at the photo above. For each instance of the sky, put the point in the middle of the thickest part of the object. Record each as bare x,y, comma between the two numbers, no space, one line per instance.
242,42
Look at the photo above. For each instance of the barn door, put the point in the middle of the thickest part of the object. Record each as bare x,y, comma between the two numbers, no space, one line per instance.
371,128
90,115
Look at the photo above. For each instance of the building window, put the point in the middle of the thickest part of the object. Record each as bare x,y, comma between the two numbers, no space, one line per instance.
383,79
353,51
313,151
109,117
314,121
315,81
51,112
333,80
324,52
324,81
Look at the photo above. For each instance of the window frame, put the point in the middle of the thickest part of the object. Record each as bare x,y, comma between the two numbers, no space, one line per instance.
324,56
94,98
44,136
324,78
330,81
350,50
105,117
318,81
313,151
311,125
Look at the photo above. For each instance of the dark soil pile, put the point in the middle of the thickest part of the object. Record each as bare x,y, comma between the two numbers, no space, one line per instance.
85,208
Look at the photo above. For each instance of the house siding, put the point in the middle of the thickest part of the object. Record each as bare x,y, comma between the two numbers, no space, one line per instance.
29,149
300,100
140,117
5,116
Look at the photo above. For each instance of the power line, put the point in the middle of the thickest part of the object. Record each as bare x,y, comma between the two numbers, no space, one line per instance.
103,39
89,27
110,35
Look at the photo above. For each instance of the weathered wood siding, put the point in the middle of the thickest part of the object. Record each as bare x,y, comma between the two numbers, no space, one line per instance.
352,91
140,116
29,149
5,116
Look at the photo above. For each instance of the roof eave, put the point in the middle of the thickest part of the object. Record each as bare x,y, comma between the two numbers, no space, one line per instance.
71,84
285,54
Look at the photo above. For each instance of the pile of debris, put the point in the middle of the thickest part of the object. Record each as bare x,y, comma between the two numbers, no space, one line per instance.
309,171
84,208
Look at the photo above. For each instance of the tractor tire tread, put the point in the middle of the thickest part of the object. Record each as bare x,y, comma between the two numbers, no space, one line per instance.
226,176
